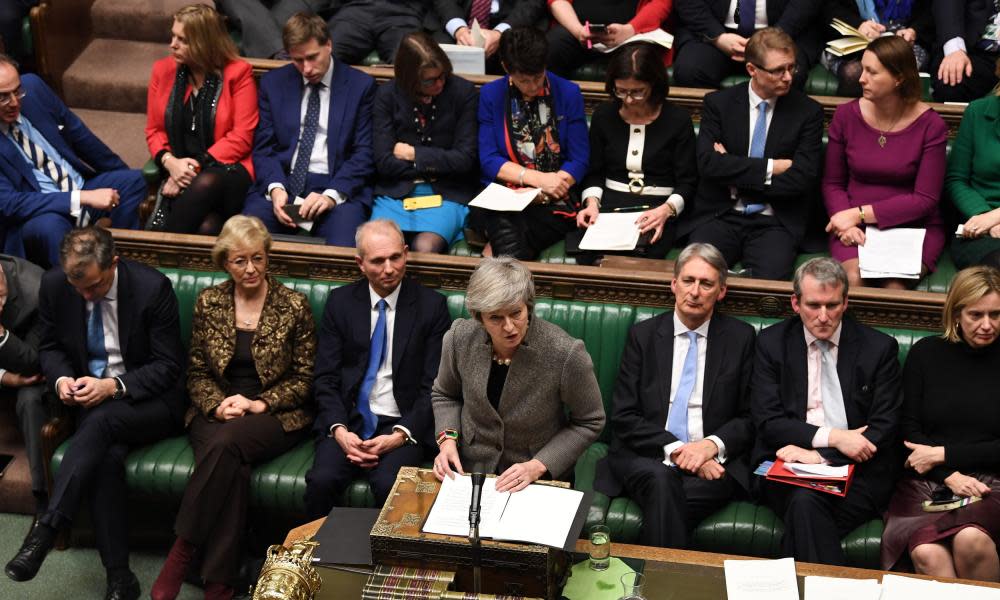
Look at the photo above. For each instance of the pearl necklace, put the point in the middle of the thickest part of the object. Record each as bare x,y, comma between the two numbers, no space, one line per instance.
503,362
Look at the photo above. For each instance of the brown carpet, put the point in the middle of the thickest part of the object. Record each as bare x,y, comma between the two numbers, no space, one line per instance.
147,21
122,132
15,485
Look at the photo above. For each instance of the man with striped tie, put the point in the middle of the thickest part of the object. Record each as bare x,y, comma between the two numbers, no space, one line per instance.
54,172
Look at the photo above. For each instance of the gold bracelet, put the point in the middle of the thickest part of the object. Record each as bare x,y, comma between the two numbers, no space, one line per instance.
861,210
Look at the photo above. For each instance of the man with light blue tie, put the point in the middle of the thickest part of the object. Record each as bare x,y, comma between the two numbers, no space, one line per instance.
680,413
759,158
54,173
379,349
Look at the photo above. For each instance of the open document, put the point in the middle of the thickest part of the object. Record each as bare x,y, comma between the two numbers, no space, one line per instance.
761,579
612,231
894,253
538,514
656,36
838,588
503,198
897,587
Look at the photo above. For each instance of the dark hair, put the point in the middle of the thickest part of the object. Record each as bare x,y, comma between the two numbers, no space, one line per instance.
418,51
642,62
523,50
896,56
768,38
6,59
83,246
302,27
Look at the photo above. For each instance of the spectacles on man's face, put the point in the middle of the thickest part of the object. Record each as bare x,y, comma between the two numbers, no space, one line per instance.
637,95
6,98
779,71
258,261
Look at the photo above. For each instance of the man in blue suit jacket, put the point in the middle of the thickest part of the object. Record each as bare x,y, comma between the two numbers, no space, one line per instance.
326,108
54,172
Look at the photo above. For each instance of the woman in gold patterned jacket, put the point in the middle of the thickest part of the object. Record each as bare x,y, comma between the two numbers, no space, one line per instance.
253,343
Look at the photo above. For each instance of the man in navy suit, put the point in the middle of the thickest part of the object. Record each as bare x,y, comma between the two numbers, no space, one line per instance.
314,139
373,381
681,408
111,349
54,172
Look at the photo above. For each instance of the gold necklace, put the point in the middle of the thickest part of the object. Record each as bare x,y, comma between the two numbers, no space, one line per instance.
881,138
503,362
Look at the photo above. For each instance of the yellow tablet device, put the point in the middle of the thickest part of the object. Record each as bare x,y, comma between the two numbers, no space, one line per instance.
418,202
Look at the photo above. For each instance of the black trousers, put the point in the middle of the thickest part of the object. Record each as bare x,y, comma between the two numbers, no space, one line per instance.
524,234
218,190
33,410
331,472
673,502
764,246
700,64
213,512
260,23
566,53
94,468
357,29
977,85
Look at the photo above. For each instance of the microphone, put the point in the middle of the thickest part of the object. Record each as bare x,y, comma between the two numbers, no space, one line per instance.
476,502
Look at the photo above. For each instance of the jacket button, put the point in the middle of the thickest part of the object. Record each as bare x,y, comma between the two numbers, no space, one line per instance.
498,447
636,130
635,153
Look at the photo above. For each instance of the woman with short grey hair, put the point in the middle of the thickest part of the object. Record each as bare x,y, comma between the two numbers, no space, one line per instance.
515,395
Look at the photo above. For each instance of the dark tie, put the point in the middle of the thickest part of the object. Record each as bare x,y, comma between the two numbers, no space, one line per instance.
677,418
42,161
757,143
297,179
480,11
745,17
97,354
376,356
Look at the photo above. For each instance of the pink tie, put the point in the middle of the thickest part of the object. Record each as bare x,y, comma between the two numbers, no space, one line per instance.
480,11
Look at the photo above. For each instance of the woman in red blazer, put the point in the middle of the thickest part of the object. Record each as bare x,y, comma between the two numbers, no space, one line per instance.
201,115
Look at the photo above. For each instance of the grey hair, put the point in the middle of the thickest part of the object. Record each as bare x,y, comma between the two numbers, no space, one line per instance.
84,246
706,252
371,226
825,270
498,283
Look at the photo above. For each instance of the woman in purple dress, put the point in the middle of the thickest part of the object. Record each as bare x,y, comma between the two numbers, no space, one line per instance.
885,161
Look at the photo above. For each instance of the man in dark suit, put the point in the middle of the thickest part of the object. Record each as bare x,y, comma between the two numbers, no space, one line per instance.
681,406
826,389
360,26
314,139
54,173
20,335
379,349
968,45
455,19
712,35
260,22
760,154
111,348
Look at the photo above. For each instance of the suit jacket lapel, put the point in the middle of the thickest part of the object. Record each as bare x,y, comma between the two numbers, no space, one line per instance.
292,117
125,305
798,367
336,115
78,326
663,354
362,319
713,362
406,315
739,122
847,355
10,153
773,132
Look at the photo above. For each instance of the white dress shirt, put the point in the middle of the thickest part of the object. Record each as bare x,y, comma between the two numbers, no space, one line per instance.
760,15
814,394
696,427
455,24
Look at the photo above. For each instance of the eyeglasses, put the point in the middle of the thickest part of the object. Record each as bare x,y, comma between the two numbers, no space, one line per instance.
636,95
779,71
258,261
7,97
430,82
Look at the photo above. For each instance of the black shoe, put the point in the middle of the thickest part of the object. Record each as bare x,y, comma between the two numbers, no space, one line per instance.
123,588
25,564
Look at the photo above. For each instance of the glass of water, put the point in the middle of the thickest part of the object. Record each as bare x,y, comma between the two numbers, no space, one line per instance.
632,586
600,547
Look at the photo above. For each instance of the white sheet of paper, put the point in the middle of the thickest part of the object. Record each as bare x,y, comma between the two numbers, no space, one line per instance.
477,35
656,36
897,587
502,198
893,251
307,225
972,592
817,470
539,514
612,231
469,60
761,579
836,588
450,513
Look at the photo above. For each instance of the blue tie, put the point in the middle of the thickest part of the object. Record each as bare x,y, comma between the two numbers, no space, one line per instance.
746,10
96,352
297,178
757,143
376,356
677,420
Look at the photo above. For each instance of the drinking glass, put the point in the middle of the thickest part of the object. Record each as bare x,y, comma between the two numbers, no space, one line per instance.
600,547
632,586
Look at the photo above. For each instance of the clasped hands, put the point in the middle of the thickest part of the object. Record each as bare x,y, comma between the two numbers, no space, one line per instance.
234,407
86,392
182,172
698,458
366,453
616,35
982,225
845,225
313,205
850,442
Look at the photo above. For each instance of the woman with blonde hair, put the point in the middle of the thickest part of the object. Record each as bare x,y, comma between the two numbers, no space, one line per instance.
250,373
201,113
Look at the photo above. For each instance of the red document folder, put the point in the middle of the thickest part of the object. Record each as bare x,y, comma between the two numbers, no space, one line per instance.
829,485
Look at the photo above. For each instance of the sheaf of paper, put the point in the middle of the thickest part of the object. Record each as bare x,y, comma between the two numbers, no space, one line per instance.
656,36
307,225
469,60
817,470
450,513
972,592
502,198
539,514
897,587
836,588
896,251
612,231
477,35
761,579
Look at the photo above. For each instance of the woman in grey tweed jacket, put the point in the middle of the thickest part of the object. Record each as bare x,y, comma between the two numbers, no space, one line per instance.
514,395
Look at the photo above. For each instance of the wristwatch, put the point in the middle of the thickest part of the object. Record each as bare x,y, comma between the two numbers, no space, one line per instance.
119,389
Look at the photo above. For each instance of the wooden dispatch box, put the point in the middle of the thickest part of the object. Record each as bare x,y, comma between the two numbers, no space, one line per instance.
508,568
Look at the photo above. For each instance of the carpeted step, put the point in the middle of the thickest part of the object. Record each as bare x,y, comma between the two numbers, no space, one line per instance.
15,485
122,132
111,75
145,21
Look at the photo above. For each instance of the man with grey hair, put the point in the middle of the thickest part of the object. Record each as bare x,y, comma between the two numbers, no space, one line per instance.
379,348
111,350
826,389
681,405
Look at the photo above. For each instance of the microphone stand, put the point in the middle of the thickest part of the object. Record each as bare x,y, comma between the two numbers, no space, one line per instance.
474,509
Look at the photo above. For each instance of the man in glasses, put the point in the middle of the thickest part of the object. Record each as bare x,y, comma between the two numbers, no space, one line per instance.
759,156
54,172
313,145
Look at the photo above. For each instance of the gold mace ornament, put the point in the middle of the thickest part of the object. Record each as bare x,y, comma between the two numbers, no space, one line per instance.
288,573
